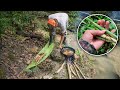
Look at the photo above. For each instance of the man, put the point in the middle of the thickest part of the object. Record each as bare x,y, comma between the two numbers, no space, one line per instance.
58,20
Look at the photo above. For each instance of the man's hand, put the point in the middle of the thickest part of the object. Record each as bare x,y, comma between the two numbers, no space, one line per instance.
60,46
90,34
89,37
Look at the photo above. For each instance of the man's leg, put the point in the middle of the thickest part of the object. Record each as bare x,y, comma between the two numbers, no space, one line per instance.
51,38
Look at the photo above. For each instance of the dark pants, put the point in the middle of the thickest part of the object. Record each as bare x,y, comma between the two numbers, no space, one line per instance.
52,37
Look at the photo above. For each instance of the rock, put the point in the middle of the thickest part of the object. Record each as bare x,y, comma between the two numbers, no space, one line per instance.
35,77
47,77
56,55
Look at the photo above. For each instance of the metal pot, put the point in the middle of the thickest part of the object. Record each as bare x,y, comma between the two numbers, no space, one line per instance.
68,57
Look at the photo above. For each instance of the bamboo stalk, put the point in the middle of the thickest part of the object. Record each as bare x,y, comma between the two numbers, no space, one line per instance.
105,37
101,28
109,38
101,38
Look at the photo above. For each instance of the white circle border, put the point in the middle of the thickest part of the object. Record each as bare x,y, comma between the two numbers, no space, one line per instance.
85,50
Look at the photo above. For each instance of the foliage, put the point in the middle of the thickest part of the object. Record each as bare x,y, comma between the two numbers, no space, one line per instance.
19,20
72,18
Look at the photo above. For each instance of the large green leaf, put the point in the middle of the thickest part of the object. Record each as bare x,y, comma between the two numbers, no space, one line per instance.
47,53
46,46
46,50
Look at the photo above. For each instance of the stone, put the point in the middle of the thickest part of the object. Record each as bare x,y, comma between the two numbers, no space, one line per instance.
56,55
47,77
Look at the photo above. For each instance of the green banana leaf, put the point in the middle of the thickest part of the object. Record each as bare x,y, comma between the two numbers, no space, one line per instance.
43,50
47,51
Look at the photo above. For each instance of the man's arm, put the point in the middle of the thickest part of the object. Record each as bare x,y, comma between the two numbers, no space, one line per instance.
63,25
87,46
62,39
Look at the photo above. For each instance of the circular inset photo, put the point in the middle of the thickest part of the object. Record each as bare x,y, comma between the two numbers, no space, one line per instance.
97,34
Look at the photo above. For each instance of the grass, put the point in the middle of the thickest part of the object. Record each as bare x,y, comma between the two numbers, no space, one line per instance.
86,24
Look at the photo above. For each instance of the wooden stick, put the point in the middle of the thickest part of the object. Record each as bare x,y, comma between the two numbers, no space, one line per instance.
61,67
76,70
80,70
72,71
69,72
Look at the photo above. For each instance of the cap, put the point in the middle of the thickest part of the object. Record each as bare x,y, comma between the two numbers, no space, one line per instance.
52,22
